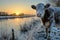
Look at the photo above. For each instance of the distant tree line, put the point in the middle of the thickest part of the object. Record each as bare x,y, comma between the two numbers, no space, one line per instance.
3,14
13,14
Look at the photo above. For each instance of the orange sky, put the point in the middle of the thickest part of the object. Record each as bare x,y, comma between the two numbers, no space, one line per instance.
18,6
19,9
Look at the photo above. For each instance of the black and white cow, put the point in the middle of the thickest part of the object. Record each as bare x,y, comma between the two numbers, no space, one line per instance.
46,12
42,12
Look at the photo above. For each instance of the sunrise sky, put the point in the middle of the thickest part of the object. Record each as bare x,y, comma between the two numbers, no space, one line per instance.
18,6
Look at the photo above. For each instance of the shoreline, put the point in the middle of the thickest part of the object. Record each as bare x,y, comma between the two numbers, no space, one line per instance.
8,17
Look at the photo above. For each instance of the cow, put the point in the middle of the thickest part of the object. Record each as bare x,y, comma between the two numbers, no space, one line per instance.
47,14
46,11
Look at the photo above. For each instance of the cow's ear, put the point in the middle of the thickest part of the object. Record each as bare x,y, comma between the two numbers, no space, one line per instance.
33,6
47,5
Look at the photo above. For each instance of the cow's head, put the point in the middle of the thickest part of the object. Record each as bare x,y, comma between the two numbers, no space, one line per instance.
40,9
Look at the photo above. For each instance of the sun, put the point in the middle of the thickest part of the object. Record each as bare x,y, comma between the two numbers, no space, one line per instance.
17,13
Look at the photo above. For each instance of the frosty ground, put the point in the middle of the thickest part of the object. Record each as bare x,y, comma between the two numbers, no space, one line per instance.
30,30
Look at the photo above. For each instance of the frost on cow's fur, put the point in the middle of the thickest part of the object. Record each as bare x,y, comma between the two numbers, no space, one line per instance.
53,11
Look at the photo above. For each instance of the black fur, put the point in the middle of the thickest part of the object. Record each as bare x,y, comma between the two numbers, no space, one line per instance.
46,16
33,6
47,5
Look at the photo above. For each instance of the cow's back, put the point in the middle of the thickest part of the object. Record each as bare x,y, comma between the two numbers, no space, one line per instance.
56,11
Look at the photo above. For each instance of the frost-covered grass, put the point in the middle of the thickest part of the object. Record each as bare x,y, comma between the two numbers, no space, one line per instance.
29,30
33,30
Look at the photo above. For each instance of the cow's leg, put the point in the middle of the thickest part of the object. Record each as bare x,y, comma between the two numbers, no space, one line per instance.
57,18
46,22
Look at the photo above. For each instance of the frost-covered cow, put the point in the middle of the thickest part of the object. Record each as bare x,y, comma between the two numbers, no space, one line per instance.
42,12
51,14
46,12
